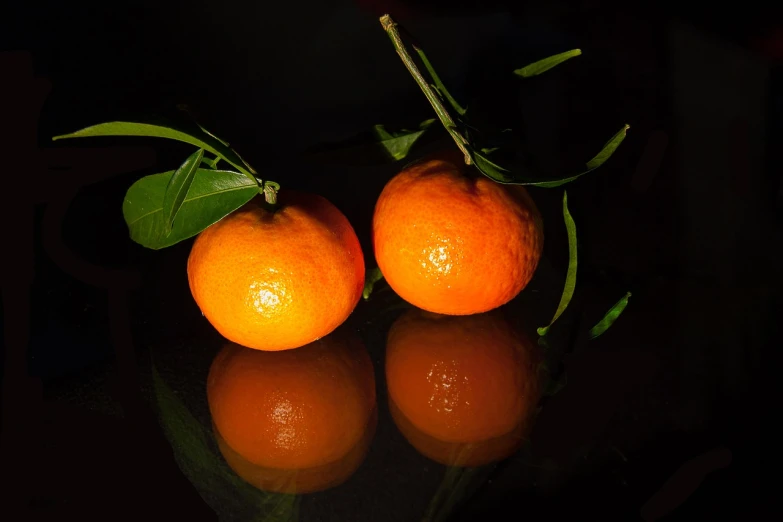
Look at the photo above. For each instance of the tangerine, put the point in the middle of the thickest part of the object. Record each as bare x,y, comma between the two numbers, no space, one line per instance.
276,280
293,409
462,379
454,243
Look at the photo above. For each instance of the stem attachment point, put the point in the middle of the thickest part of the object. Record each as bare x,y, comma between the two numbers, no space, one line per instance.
435,100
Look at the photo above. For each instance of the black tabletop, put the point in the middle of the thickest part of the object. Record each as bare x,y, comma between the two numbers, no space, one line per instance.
665,416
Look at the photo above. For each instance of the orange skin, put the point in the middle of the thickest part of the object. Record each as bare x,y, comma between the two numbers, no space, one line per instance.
460,454
276,281
454,244
293,409
460,380
299,481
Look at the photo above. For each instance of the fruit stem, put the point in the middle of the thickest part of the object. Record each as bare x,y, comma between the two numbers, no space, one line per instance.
269,189
438,83
390,26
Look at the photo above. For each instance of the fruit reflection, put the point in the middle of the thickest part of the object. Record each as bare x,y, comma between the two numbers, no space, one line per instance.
305,480
462,389
305,414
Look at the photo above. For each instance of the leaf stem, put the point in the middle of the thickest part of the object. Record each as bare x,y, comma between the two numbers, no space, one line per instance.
445,118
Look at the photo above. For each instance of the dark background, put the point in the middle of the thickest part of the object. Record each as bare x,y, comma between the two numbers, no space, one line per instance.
686,215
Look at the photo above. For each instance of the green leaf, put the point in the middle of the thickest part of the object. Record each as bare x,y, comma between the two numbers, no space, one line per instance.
494,171
570,282
439,86
213,195
609,148
371,277
180,132
503,175
534,69
382,133
610,317
398,144
178,187
374,147
205,131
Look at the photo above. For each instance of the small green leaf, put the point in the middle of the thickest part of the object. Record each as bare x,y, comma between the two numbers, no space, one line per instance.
195,136
371,277
381,132
610,317
398,144
178,187
399,147
609,148
495,172
376,146
570,282
534,69
213,195
503,175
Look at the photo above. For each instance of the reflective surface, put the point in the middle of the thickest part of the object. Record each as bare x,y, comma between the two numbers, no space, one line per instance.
462,389
397,401
299,480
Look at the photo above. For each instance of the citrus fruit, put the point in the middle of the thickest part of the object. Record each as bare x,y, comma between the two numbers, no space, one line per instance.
276,280
304,480
452,242
462,379
293,409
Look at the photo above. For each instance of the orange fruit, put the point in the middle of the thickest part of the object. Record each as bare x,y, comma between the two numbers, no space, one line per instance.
298,481
278,280
293,409
452,242
461,379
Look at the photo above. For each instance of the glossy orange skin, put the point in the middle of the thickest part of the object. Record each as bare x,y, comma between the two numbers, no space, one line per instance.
293,409
461,379
277,281
460,454
454,244
304,480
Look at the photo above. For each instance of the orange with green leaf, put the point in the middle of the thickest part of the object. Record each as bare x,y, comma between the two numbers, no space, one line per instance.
274,270
275,275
